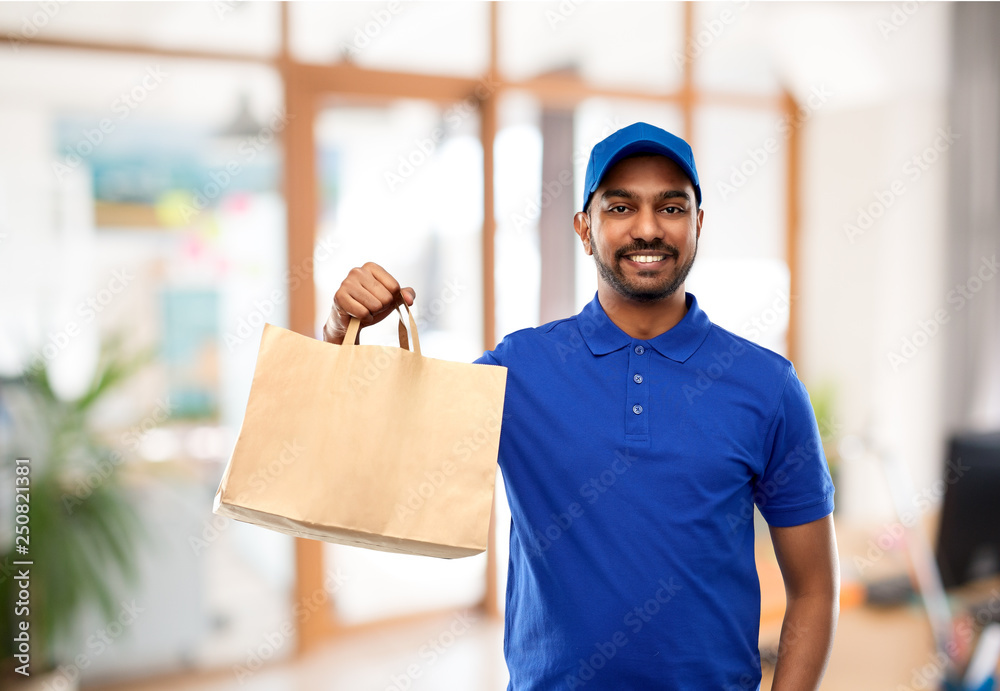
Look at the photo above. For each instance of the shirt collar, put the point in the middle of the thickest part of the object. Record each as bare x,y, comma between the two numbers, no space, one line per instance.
679,343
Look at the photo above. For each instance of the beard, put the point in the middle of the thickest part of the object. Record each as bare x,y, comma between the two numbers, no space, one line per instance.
615,277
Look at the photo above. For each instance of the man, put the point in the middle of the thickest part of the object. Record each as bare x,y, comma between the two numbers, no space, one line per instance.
637,437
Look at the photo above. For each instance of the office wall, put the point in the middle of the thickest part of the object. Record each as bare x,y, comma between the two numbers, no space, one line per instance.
874,237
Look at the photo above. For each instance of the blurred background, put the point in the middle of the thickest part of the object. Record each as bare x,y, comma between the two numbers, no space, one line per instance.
175,174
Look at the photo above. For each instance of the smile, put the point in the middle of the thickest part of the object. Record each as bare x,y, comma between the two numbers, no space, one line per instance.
647,258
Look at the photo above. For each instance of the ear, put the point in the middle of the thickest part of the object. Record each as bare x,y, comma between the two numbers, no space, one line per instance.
701,217
581,224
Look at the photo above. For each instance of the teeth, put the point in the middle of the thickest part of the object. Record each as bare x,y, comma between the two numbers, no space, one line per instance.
646,258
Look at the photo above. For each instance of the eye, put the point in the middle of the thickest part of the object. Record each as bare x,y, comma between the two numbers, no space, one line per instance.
618,209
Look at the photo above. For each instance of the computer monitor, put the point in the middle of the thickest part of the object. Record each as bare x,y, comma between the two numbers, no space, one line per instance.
968,542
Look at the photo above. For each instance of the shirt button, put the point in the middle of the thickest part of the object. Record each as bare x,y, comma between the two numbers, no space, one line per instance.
637,379
637,409
639,350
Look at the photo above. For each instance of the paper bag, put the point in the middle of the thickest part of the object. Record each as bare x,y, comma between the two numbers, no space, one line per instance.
367,445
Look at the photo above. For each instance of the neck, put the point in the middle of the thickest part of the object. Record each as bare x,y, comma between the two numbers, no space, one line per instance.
643,320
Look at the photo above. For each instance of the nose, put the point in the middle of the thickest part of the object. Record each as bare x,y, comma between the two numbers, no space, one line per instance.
646,226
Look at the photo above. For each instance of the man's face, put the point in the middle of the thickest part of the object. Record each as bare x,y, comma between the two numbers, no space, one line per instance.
642,228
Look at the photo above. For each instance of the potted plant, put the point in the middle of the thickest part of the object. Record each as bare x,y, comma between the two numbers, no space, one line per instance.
824,403
80,543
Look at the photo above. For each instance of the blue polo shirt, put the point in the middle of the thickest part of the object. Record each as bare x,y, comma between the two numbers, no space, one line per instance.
632,468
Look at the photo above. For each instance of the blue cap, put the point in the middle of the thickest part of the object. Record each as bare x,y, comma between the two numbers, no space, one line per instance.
638,138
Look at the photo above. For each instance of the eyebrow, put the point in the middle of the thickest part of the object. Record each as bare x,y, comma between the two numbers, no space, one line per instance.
628,194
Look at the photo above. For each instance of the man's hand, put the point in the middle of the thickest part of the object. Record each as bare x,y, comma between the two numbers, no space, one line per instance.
369,293
807,556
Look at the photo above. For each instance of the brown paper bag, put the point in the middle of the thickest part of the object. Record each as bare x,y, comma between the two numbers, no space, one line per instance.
367,445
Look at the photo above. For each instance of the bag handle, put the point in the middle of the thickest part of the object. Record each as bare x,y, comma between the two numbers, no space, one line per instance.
351,336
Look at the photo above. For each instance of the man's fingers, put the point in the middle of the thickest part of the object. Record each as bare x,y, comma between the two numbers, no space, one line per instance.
369,293
390,283
382,295
383,277
369,302
350,307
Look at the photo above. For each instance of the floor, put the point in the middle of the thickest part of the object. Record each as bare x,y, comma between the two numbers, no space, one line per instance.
875,650
462,651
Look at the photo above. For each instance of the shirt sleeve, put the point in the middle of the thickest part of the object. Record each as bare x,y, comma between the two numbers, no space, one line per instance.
795,486
492,357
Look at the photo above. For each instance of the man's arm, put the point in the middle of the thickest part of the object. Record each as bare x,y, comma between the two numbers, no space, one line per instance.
807,556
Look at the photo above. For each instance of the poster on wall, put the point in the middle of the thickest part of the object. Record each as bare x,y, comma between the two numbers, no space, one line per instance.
160,176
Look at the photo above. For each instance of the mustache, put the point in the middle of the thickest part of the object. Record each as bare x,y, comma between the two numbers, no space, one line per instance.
658,246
